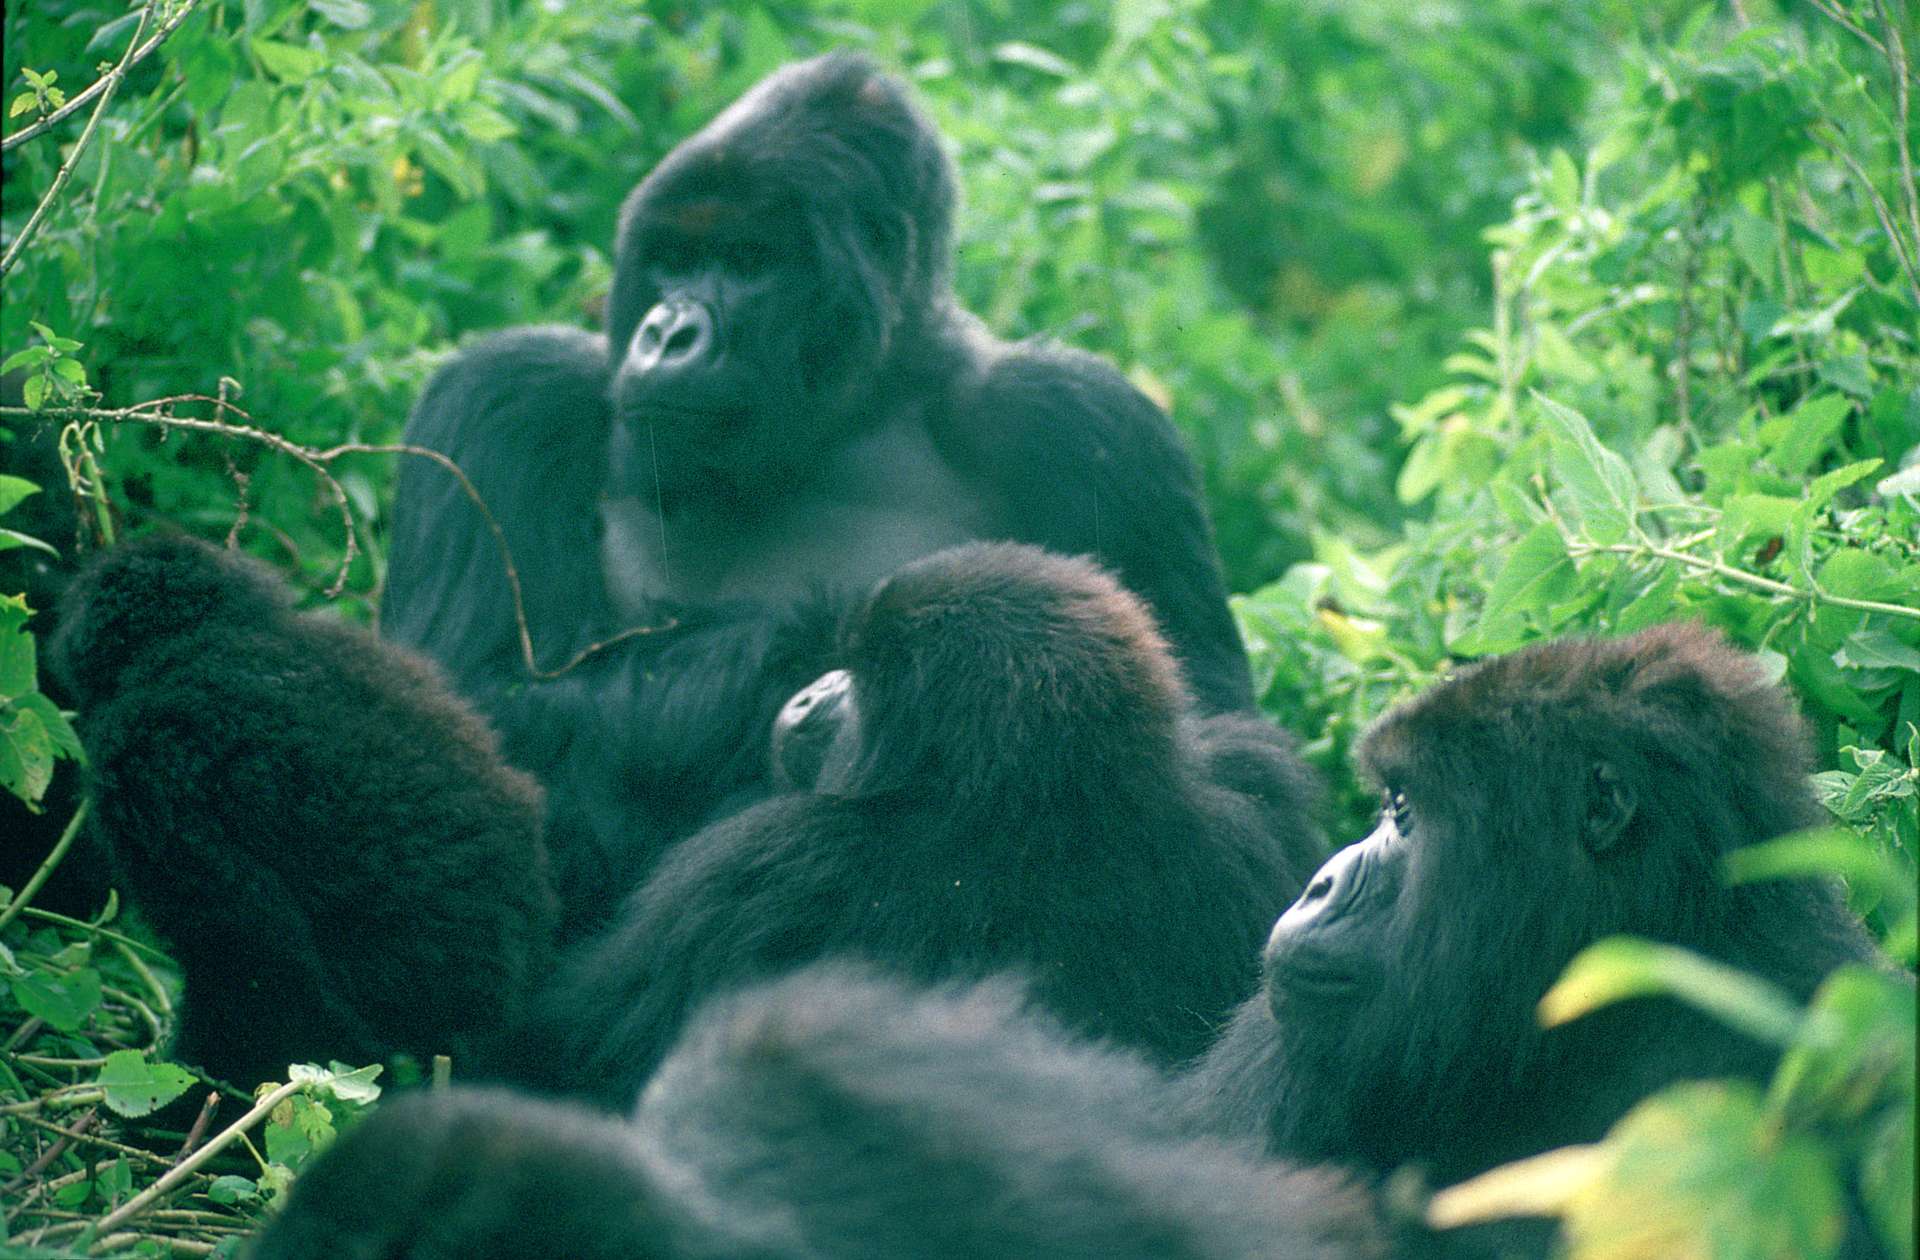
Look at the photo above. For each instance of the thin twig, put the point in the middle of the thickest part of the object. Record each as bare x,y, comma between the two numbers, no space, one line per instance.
1837,146
100,85
158,412
179,1173
65,172
40,877
1577,547
1896,51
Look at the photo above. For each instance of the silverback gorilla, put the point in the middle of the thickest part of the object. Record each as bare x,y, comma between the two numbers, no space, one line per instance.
326,838
834,1114
1009,780
1533,805
788,405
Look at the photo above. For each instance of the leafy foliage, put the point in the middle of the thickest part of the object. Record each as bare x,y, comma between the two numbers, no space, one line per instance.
1487,322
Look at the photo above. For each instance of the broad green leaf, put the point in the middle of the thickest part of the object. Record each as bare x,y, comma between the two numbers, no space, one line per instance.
1876,649
136,1087
1623,967
13,490
288,61
1543,1185
1807,431
1699,1172
1600,482
63,1001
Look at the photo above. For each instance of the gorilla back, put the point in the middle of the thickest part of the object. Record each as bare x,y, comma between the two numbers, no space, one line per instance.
788,401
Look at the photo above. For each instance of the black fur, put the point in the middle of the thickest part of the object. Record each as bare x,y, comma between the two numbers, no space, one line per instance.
1023,787
833,1114
325,837
788,405
1554,797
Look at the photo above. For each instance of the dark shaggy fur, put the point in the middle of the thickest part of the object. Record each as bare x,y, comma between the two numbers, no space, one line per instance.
327,840
834,1114
1554,797
788,405
1017,784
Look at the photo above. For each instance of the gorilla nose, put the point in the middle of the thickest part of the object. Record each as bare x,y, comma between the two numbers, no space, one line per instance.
1330,887
674,334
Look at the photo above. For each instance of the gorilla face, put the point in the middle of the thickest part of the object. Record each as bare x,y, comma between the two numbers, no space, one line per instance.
764,270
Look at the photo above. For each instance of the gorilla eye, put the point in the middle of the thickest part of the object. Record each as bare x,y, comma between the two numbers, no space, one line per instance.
1394,805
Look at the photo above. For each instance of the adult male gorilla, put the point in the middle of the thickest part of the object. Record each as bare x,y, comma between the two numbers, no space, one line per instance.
1005,778
1533,805
834,1114
788,402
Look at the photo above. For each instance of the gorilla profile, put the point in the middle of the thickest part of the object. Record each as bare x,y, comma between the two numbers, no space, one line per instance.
1530,807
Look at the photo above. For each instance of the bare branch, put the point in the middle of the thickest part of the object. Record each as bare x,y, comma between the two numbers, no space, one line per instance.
159,412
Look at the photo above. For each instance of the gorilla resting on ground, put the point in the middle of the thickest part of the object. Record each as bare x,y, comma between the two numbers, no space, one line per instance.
1534,805
788,401
324,836
831,1115
1006,778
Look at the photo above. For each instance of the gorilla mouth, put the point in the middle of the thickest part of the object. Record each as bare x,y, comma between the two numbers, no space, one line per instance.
1300,974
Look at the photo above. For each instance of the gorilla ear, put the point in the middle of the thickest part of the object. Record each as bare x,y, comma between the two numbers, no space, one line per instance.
1610,806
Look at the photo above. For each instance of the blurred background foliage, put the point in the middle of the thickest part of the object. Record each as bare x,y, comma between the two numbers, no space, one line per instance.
1487,321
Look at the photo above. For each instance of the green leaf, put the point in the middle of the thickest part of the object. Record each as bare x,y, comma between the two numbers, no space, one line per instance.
1537,574
1855,1053
1808,431
32,356
483,123
1822,851
1623,967
1700,1170
1016,53
352,15
230,1189
63,1001
14,490
1907,481
35,391
135,1087
289,62
1886,1178
1876,649
1600,482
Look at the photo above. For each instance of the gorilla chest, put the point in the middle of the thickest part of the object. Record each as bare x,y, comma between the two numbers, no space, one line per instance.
884,499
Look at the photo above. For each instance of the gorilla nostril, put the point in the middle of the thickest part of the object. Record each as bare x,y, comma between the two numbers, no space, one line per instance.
683,341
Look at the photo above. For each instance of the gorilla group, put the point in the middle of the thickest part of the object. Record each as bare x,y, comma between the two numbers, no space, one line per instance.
1531,807
788,404
794,458
1014,781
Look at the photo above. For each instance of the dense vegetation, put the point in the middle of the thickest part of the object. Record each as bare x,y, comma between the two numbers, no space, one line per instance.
1488,321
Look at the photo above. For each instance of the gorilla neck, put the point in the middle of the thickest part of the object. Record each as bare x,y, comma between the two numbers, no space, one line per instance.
880,499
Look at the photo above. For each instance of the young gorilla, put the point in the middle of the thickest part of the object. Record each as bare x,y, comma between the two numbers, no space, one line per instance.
327,840
1534,805
833,1114
1008,776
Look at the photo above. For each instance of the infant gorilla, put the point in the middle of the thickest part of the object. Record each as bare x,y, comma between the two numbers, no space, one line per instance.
1008,776
326,839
